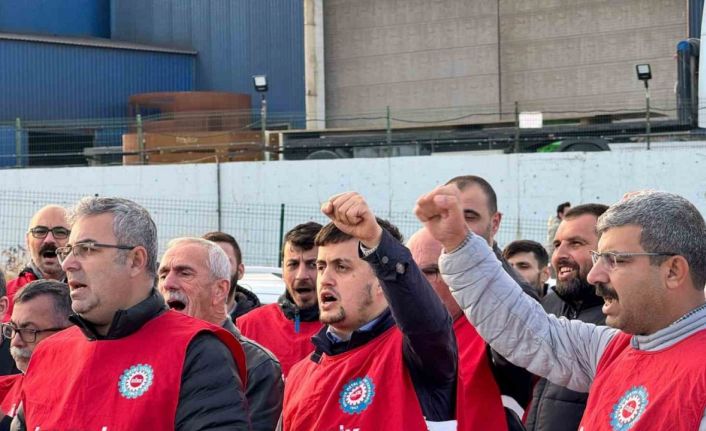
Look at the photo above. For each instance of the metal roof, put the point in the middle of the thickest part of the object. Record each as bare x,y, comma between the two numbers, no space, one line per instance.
93,42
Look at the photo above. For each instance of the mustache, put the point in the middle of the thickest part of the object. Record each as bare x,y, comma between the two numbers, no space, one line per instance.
566,262
605,292
18,353
304,284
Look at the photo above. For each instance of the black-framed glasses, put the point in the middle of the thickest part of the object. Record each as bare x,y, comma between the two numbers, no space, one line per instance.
611,259
59,232
83,249
28,335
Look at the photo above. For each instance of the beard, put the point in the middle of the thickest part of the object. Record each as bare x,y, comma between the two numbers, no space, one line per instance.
575,289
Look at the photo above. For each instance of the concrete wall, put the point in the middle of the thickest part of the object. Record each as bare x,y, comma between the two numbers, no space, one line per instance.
561,55
183,198
409,54
555,55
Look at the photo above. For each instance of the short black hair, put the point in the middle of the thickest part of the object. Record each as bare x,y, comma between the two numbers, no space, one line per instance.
579,210
3,284
56,290
464,181
330,234
560,209
302,235
527,246
224,237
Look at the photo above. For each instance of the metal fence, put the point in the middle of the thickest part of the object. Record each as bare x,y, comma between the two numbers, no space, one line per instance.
257,227
237,135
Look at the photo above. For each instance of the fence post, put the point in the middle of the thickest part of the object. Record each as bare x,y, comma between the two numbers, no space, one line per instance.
389,134
281,233
140,140
18,142
517,127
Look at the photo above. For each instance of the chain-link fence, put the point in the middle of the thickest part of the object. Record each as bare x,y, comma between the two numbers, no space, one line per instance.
258,228
193,137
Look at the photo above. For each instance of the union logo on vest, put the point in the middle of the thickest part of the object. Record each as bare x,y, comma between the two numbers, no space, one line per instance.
135,381
629,409
357,395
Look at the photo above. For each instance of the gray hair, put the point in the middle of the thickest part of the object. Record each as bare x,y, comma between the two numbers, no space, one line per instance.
670,224
218,263
56,290
132,224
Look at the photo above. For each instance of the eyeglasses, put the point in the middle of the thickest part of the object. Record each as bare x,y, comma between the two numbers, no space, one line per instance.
83,249
42,232
432,273
27,335
611,259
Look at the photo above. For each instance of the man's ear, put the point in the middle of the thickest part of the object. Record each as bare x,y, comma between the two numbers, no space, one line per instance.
241,271
544,274
138,259
495,222
4,305
219,292
676,272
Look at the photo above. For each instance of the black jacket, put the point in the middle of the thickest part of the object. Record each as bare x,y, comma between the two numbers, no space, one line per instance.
555,408
245,301
429,346
265,387
211,396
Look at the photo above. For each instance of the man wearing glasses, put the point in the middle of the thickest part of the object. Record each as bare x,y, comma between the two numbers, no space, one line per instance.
646,370
47,230
42,308
128,362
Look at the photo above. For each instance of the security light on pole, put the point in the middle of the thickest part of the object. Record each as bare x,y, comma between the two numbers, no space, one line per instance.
644,74
260,83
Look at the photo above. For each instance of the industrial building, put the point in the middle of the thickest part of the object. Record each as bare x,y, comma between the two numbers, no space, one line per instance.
68,69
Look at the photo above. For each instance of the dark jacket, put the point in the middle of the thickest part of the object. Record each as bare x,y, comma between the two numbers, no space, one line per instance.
245,301
555,408
429,346
265,387
7,367
210,397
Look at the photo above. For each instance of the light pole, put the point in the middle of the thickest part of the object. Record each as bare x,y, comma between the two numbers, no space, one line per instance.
644,74
260,83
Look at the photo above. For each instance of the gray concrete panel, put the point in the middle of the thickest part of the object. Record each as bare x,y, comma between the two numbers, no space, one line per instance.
551,55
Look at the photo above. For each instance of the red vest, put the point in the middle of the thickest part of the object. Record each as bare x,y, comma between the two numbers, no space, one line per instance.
366,389
268,326
131,383
637,390
478,402
13,286
10,393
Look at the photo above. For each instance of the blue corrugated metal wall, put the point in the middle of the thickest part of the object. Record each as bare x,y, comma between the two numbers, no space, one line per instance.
56,17
47,81
234,39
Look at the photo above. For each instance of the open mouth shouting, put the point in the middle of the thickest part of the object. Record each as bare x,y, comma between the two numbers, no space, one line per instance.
610,297
177,301
327,298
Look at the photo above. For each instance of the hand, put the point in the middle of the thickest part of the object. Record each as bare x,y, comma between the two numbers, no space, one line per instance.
440,211
351,214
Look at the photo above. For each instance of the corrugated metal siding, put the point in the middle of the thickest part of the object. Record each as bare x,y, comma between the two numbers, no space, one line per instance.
44,81
234,39
64,17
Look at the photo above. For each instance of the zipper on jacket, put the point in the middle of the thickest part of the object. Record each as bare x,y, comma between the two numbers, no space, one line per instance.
296,320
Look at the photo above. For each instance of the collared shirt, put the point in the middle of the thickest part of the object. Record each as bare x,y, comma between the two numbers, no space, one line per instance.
365,328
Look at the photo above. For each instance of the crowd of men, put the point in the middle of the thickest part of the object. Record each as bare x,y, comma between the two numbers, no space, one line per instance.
445,332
